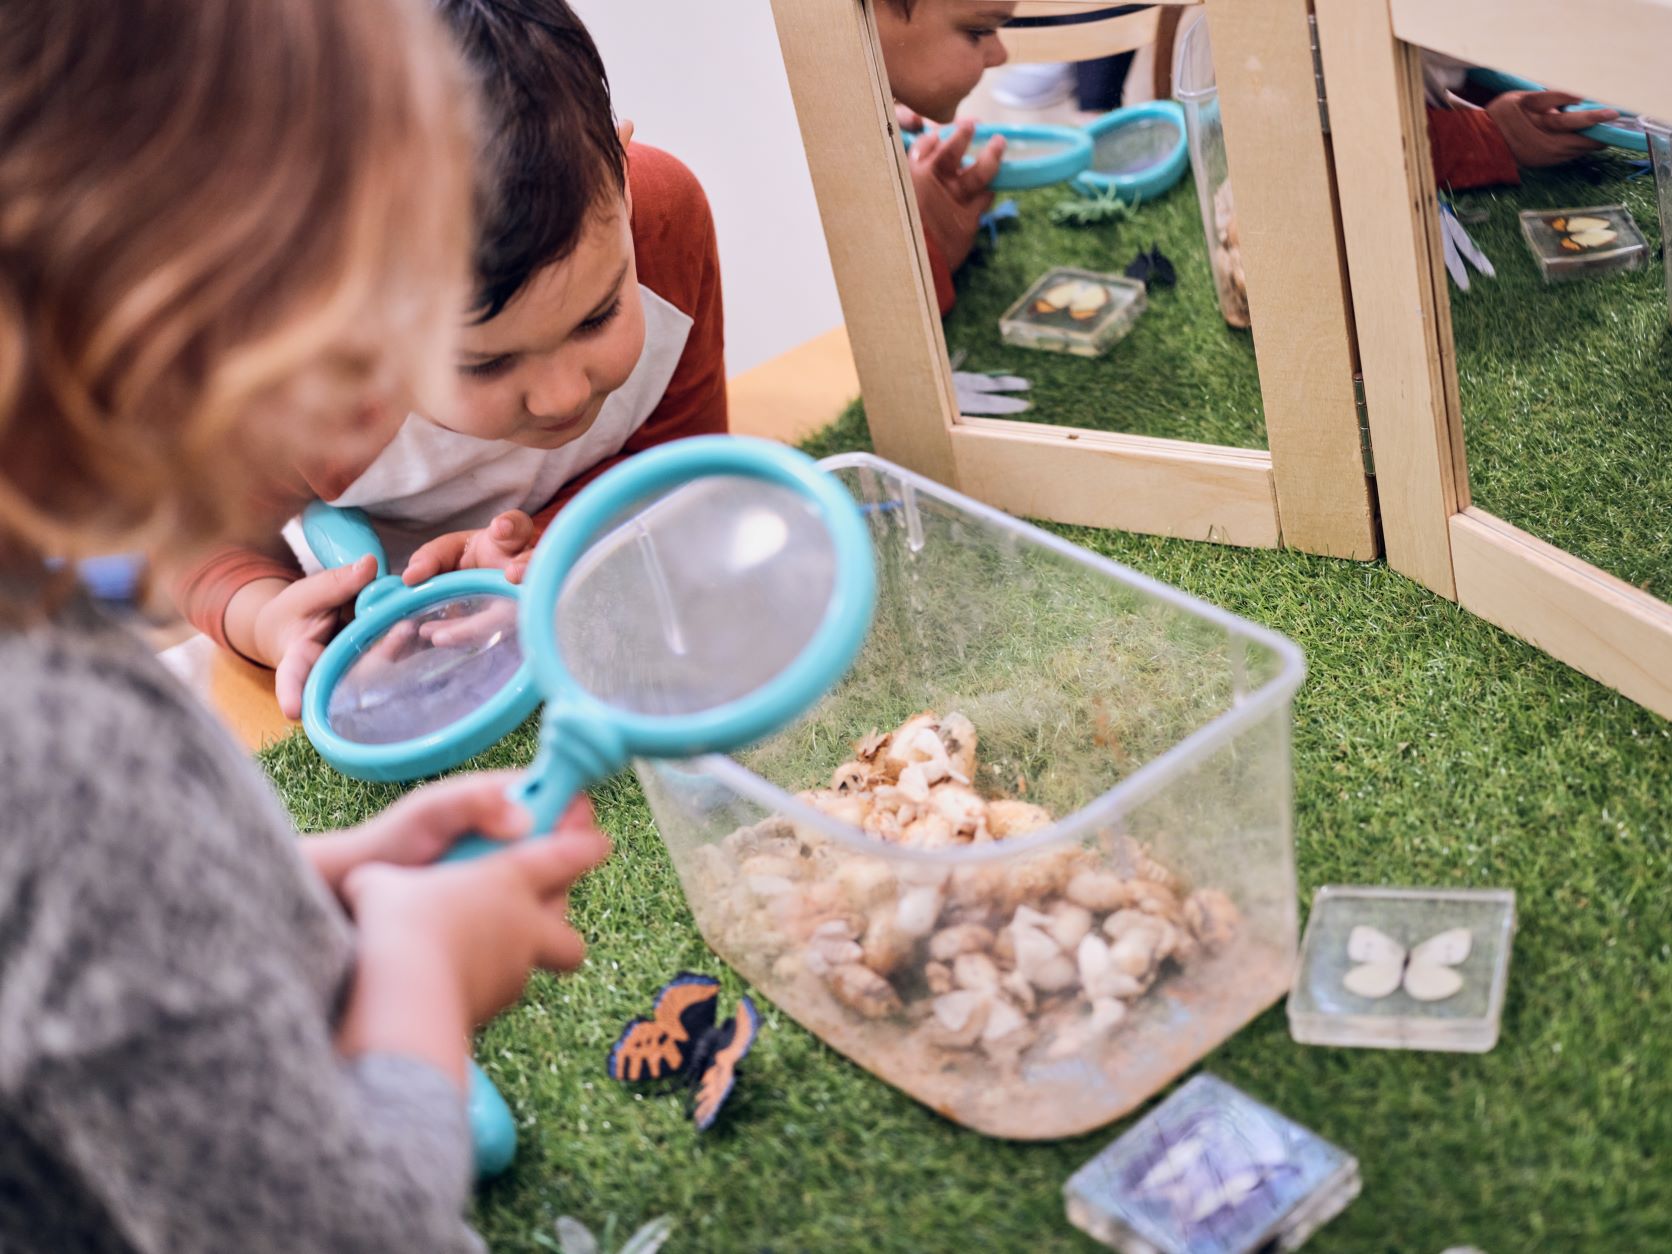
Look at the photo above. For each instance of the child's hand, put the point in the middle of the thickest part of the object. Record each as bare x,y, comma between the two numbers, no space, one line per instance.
950,197
505,545
908,119
422,826
463,936
291,630
1536,130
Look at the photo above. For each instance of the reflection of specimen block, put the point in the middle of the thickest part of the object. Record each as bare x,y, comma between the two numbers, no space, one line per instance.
1069,310
1582,243
1211,1171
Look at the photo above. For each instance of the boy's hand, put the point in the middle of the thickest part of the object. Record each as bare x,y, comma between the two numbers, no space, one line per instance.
466,934
505,544
908,119
950,197
291,629
422,826
1536,130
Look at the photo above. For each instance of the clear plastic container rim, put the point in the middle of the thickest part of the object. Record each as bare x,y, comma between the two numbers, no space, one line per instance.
1145,782
1195,93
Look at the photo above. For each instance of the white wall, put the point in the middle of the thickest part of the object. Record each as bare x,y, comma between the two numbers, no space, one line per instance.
704,80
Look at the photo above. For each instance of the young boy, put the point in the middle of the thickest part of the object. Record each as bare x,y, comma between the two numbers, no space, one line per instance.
935,52
595,332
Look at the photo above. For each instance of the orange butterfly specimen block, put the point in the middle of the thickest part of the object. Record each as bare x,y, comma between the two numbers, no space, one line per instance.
681,1041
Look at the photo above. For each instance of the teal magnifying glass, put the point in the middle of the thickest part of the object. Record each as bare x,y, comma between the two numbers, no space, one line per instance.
690,601
424,677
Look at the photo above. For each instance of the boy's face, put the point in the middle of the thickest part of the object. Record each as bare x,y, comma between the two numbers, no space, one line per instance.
936,57
537,373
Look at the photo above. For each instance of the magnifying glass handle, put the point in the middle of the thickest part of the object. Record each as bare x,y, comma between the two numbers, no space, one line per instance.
341,536
493,1129
545,792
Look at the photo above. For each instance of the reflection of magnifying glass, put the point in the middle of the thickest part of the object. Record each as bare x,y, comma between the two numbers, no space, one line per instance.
1625,131
690,601
424,677
1035,154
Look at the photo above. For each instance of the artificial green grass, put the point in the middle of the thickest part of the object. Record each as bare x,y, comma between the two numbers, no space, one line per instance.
1430,748
1181,373
1567,387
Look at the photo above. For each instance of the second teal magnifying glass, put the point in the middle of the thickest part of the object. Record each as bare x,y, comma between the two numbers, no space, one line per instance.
690,601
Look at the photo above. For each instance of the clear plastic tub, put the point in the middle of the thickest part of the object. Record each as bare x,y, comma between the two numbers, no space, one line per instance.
1195,88
1659,138
1154,727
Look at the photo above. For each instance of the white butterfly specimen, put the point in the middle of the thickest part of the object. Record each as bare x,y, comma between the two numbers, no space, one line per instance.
1425,970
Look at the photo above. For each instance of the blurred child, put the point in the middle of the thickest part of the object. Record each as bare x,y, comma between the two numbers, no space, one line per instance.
935,52
227,225
594,332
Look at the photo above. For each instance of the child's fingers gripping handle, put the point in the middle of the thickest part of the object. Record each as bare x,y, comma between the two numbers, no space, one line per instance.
546,795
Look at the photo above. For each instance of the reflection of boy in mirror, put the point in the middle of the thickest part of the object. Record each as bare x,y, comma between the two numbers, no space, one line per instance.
935,52
1482,142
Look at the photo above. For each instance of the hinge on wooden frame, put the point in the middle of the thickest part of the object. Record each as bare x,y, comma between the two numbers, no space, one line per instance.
1363,425
1318,72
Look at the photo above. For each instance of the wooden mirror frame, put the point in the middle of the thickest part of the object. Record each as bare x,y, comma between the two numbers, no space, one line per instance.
1309,491
1572,610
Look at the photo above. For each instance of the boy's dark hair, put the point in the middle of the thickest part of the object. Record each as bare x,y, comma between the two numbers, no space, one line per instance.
903,7
550,149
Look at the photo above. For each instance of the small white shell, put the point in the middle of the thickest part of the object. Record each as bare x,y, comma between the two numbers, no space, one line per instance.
1055,976
977,972
1015,818
955,1010
918,910
1107,1013
966,938
1002,1020
1033,949
1134,953
1098,891
1027,916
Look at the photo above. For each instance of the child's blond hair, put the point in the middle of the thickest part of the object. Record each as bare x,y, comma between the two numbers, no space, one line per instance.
215,217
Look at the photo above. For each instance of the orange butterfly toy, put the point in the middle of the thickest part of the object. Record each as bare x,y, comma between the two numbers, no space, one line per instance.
681,1041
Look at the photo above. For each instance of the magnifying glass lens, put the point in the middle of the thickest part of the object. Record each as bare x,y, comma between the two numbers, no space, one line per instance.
427,671
704,596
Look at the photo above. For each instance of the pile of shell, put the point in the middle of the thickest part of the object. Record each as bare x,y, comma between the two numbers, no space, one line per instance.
1002,954
1227,259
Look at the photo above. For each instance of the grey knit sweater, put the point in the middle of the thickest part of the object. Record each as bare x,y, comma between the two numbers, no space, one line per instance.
170,970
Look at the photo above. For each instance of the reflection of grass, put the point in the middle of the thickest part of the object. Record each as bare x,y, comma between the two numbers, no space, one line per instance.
1430,748
1567,387
1181,373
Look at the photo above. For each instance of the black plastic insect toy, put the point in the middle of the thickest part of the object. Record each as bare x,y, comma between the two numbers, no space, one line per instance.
1152,269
